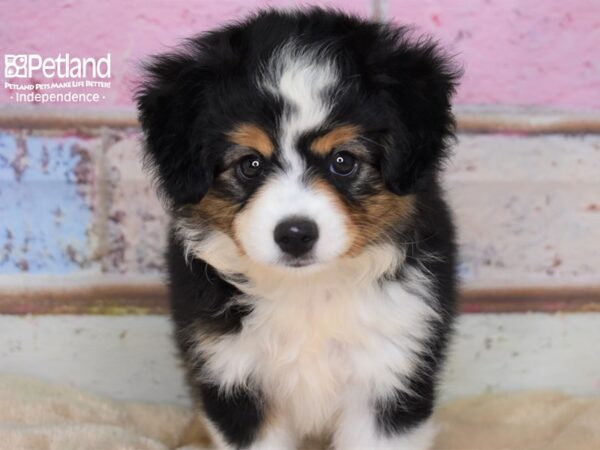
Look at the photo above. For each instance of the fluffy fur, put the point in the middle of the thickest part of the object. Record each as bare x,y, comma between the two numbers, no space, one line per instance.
325,118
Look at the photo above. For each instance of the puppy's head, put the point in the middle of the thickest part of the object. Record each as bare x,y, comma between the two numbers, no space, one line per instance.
300,137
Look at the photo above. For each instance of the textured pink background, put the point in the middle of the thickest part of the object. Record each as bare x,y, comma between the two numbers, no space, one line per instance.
524,52
517,52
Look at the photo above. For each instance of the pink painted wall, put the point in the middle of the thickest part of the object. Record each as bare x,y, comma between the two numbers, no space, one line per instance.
515,52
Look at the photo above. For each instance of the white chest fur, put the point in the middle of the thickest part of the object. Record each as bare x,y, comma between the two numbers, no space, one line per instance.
310,340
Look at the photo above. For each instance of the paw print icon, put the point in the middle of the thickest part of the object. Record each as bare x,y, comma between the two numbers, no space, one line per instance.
15,66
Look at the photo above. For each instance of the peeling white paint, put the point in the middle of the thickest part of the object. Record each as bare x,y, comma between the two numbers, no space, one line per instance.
132,357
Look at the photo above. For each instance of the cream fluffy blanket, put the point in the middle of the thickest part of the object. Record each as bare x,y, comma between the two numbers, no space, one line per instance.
36,415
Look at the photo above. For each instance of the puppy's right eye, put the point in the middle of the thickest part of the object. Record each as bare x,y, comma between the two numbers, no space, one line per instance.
343,164
251,166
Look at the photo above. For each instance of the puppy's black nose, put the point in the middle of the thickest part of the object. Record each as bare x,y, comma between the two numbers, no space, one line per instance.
296,236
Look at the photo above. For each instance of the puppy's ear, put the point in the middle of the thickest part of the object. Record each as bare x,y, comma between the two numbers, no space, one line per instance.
419,81
170,104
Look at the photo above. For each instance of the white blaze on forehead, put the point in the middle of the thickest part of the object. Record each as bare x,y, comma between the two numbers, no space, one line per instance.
300,76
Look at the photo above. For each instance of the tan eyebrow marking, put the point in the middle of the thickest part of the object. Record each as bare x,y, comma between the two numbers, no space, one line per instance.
250,135
340,135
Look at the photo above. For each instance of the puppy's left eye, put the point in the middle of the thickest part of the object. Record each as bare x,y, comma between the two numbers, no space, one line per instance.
343,164
251,166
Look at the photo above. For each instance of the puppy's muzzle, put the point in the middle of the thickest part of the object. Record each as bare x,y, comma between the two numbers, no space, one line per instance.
296,236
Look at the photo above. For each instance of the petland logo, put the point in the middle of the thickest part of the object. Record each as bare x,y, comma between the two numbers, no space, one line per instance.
62,66
60,79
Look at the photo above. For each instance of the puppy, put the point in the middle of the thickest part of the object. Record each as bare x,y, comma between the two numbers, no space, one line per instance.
311,257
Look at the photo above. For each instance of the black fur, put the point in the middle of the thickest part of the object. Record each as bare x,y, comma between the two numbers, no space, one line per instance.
199,294
403,87
398,91
433,234
238,415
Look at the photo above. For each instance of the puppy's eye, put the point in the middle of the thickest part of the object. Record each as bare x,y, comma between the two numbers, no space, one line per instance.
251,166
343,164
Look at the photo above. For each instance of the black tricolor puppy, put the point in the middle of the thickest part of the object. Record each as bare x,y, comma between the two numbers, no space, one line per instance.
312,256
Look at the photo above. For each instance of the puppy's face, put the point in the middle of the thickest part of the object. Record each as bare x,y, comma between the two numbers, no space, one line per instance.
301,199
300,149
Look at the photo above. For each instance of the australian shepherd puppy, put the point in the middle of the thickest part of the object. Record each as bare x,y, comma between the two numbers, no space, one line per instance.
311,256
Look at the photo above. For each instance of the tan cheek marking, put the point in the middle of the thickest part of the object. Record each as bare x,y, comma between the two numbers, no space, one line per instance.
338,136
379,214
252,136
217,212
373,218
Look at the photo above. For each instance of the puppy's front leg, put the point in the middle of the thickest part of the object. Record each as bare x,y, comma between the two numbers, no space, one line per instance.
395,423
237,420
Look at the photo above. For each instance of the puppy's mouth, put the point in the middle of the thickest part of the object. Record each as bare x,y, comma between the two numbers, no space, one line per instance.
298,262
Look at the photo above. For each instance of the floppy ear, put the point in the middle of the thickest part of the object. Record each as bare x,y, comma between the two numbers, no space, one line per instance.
419,80
170,104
